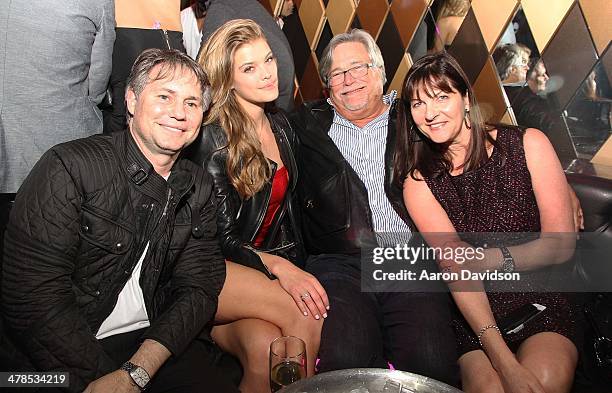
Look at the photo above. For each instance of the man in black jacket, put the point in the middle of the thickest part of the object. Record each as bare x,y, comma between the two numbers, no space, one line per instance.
111,266
348,202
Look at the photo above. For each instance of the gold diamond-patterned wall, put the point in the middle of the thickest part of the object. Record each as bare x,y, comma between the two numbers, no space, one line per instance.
493,16
393,24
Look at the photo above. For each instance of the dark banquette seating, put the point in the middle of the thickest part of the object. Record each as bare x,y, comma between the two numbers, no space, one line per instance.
595,196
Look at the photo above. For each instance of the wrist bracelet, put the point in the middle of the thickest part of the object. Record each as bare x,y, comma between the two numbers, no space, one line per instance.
507,265
483,329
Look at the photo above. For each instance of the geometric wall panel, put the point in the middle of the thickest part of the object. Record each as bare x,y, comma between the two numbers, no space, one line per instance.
387,41
544,17
604,155
598,15
493,17
325,37
606,60
570,35
312,17
469,47
275,6
294,30
400,74
569,56
489,94
340,15
508,117
311,83
372,14
407,15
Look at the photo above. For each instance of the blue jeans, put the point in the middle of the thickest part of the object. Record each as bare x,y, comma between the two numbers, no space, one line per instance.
412,331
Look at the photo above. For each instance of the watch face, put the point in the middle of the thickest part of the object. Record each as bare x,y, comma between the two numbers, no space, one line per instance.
140,376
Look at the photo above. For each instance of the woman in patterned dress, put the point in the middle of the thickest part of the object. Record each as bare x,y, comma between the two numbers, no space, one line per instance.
461,175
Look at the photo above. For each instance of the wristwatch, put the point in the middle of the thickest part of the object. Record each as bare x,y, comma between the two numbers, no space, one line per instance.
139,375
507,262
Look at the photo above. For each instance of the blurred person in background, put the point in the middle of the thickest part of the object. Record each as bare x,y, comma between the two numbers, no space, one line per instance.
192,21
537,78
55,61
140,24
286,11
449,21
512,63
530,104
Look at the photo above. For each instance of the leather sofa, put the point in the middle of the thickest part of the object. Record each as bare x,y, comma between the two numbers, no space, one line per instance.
595,270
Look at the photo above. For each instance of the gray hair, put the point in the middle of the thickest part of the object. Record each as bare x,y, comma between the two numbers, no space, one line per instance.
506,57
355,35
169,60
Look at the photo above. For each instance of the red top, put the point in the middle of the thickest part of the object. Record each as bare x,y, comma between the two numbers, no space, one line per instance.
279,188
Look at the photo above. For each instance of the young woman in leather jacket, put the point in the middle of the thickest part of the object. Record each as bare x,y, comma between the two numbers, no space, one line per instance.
249,150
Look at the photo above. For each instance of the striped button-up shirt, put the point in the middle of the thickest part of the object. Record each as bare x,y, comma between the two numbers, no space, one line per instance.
364,149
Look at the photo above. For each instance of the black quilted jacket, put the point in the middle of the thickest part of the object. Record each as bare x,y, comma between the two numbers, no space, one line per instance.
79,224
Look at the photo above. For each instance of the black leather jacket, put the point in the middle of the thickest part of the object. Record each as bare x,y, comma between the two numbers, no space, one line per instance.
239,220
335,212
80,222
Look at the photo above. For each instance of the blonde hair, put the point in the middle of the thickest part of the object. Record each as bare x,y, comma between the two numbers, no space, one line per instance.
454,8
247,167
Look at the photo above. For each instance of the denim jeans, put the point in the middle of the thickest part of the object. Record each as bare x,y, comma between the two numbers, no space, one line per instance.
412,331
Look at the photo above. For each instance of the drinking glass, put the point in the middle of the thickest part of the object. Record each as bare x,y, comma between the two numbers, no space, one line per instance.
287,361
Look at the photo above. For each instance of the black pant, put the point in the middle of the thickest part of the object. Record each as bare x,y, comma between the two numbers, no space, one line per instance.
191,372
412,331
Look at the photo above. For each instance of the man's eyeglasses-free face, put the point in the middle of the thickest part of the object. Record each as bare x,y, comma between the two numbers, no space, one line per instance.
358,71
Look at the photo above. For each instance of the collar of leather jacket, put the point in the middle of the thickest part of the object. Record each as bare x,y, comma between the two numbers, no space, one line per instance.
323,114
140,171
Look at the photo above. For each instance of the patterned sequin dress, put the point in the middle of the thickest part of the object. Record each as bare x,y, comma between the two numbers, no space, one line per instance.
498,197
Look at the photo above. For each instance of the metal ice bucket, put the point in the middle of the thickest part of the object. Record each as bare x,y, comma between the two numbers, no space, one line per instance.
369,380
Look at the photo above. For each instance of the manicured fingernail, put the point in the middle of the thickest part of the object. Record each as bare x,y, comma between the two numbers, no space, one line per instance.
317,316
324,315
305,313
327,308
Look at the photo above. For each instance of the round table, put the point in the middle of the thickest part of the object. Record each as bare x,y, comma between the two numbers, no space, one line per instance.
369,380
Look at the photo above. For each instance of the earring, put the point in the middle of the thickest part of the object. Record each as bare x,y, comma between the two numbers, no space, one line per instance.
466,117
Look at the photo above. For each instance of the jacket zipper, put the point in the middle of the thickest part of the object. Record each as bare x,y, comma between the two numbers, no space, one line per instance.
261,217
169,198
166,37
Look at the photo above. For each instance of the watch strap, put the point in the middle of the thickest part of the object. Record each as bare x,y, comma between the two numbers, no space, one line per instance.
130,368
507,262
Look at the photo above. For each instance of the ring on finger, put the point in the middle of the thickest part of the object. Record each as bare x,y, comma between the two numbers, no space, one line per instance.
305,296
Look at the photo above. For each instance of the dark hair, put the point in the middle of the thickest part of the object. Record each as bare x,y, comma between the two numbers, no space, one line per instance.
169,60
199,8
413,150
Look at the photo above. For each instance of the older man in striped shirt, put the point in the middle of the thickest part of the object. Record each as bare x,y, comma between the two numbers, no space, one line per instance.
349,203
